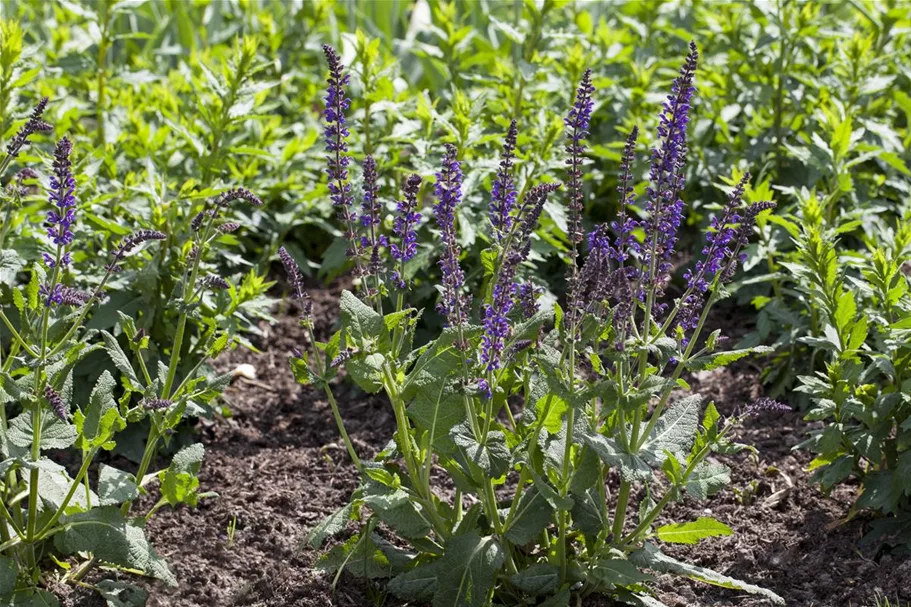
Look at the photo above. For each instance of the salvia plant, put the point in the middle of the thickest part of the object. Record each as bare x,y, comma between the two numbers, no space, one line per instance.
564,431
50,506
859,316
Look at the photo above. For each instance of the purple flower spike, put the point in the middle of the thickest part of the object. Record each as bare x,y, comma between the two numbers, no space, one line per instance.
496,313
370,214
54,399
337,160
503,193
448,190
721,241
624,226
62,196
665,208
405,226
33,125
577,125
296,280
526,299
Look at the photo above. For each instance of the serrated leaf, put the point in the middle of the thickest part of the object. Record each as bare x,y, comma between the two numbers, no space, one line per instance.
675,430
180,483
692,532
11,263
330,526
119,358
540,578
721,359
491,458
467,571
115,486
532,515
419,584
707,479
618,572
55,434
112,538
632,467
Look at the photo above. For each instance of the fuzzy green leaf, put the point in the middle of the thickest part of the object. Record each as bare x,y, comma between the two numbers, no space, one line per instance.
115,486
112,538
467,571
540,578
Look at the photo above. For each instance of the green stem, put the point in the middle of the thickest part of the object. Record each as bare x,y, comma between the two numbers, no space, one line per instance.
341,428
83,470
17,336
620,512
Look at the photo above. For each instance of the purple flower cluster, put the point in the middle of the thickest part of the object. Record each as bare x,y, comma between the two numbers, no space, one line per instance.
526,299
129,243
448,191
63,197
728,235
503,193
370,209
496,321
56,403
335,135
226,198
720,241
33,125
296,280
577,124
405,226
496,313
665,208
625,224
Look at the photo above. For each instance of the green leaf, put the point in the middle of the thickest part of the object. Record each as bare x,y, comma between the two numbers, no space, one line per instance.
359,556
707,479
119,358
101,418
532,515
115,486
540,578
418,585
364,325
331,525
675,430
649,556
491,458
722,359
618,572
180,483
367,371
692,532
437,412
54,484
632,466
551,408
112,538
467,571
11,263
55,434
8,571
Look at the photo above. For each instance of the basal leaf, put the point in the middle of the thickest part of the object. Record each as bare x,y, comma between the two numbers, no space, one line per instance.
112,538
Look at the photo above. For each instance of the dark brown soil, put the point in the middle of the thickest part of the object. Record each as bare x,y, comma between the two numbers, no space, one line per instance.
278,468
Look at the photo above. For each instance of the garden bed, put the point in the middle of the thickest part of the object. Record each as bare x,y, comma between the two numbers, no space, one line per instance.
279,469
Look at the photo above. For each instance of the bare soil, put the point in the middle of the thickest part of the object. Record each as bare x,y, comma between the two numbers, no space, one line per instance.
278,468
